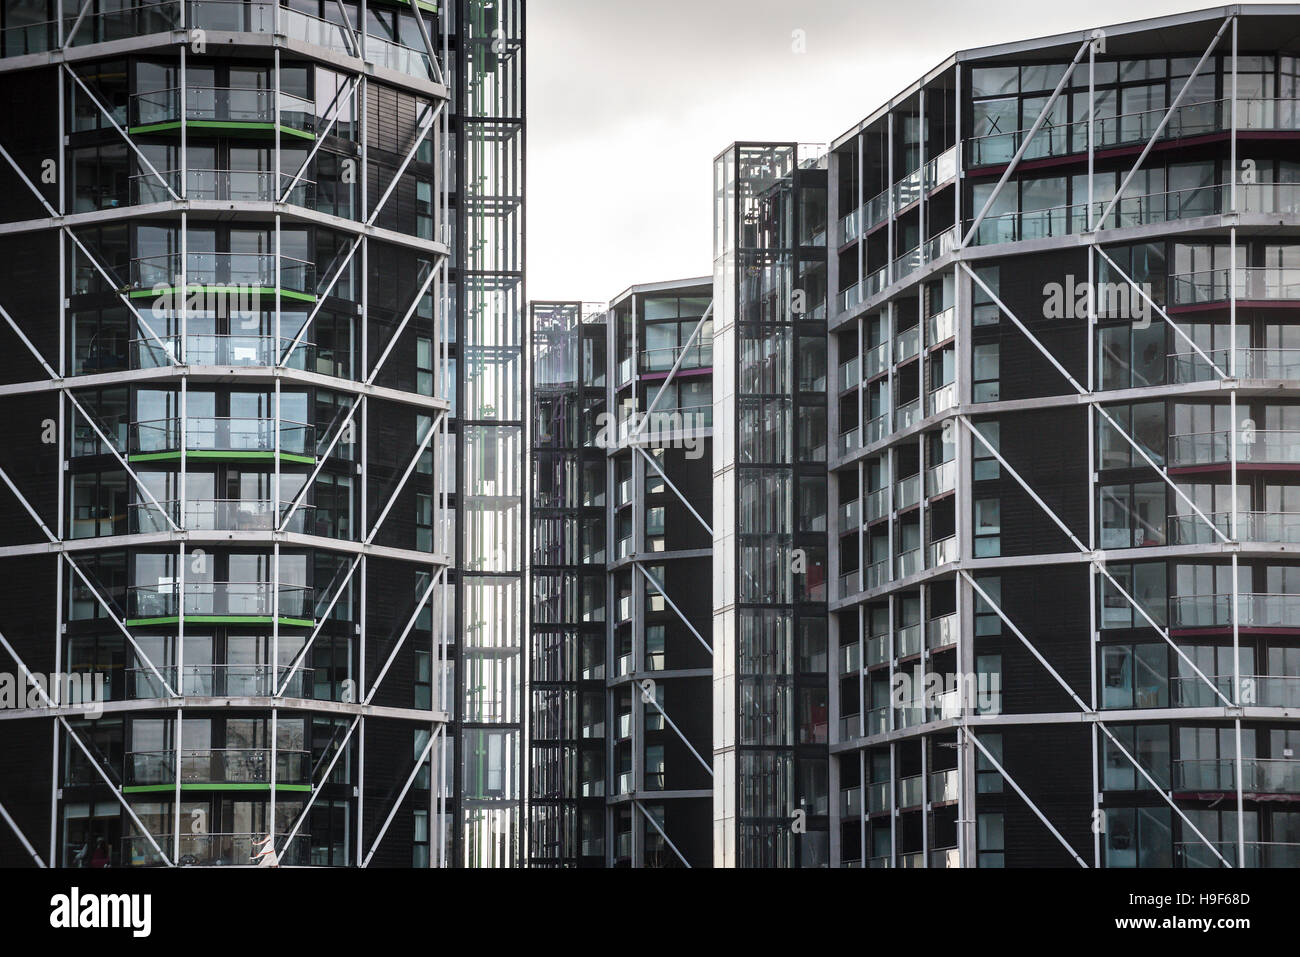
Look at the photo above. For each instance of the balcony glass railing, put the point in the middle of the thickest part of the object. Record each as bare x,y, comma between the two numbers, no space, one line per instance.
877,504
254,270
221,105
910,562
943,551
909,792
206,434
1253,611
943,786
848,516
1271,691
907,344
850,658
1258,854
941,632
940,479
848,441
1272,447
1251,364
876,360
1258,775
220,350
219,766
876,574
1280,527
907,640
230,185
877,721
907,190
878,797
214,850
225,515
877,650
215,599
941,326
1132,129
907,415
208,681
942,399
908,492
1254,283
850,374
875,429
946,857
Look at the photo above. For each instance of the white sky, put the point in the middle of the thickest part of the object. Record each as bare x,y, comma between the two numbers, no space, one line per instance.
630,100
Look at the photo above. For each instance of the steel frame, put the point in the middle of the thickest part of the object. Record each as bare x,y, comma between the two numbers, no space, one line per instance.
1094,559
177,367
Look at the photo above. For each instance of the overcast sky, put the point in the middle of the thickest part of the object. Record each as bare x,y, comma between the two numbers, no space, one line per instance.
629,101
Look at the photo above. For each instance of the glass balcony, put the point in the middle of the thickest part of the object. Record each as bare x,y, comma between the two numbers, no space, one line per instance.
851,802
909,792
1258,775
877,721
253,270
850,658
226,515
218,766
208,681
907,344
907,641
234,435
941,632
214,850
864,288
942,398
910,562
1258,854
220,599
221,350
1254,611
943,786
877,650
242,186
907,415
1280,527
848,441
1254,283
908,491
1213,448
850,583
1251,364
850,727
850,374
876,360
941,326
878,797
943,551
875,430
946,857
849,516
941,478
223,105
877,504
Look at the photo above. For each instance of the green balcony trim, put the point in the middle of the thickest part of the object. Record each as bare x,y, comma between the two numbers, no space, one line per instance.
219,620
191,786
246,126
218,454
256,291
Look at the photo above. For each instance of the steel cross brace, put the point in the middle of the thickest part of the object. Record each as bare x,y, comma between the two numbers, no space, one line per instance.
1095,714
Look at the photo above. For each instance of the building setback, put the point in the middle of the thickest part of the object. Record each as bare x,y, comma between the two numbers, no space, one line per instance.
265,320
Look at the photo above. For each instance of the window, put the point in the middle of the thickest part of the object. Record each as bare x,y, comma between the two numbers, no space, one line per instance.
987,621
654,647
986,365
988,527
991,840
420,841
984,311
1135,676
988,669
1138,837
1148,744
1132,516
654,767
984,465
1145,583
988,780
